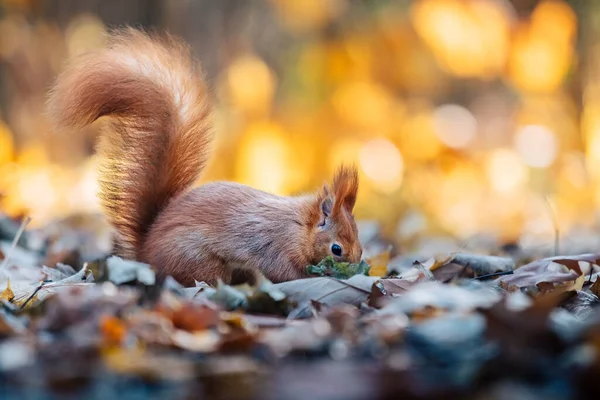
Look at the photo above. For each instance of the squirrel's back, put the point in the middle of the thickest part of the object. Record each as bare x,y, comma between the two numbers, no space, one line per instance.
159,132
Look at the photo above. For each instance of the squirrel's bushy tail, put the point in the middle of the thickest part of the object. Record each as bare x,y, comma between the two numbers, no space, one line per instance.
158,135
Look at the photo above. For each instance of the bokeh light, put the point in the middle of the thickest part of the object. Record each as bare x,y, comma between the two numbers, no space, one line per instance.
86,32
506,171
263,158
537,145
382,163
308,15
542,51
458,112
6,144
363,104
455,125
250,84
469,38
418,137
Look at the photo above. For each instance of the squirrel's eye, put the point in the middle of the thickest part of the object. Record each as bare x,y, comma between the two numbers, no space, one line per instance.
336,249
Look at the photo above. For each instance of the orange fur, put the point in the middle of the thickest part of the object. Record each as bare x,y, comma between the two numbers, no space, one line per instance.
156,146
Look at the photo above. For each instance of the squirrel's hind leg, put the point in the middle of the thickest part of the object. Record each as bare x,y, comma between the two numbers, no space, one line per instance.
209,271
188,272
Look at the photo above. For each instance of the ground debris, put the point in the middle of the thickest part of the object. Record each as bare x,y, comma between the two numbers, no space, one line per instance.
456,325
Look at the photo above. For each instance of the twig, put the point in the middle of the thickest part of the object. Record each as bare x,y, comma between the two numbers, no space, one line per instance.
15,241
555,224
494,275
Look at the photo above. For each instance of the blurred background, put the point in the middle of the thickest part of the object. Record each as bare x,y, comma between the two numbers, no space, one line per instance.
465,117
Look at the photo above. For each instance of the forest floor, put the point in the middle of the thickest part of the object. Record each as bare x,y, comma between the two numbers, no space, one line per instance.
496,323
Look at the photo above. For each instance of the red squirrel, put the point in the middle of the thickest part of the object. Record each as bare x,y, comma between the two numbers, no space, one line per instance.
154,147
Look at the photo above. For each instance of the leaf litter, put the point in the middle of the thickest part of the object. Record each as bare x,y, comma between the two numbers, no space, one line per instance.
77,322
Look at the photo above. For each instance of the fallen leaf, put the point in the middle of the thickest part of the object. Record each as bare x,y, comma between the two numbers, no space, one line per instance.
194,318
562,273
9,325
448,340
264,298
392,287
268,321
270,301
202,341
454,298
122,271
484,265
307,336
58,272
329,291
151,327
20,256
229,297
33,294
379,263
582,304
141,363
7,294
595,288
83,275
436,262
113,330
469,265
524,336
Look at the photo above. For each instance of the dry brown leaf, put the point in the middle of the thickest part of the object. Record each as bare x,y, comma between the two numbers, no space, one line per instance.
595,288
561,273
194,318
379,263
438,261
468,265
425,314
141,363
113,330
329,291
388,288
201,341
7,294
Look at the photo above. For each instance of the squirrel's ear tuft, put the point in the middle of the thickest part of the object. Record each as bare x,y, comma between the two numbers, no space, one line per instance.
345,188
326,202
325,205
321,208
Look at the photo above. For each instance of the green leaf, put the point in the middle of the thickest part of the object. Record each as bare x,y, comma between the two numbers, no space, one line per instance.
340,270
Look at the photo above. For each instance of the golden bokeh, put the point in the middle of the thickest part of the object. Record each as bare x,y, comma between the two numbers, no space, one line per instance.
6,144
250,85
85,33
469,38
382,163
506,171
307,15
365,105
464,114
264,158
542,50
